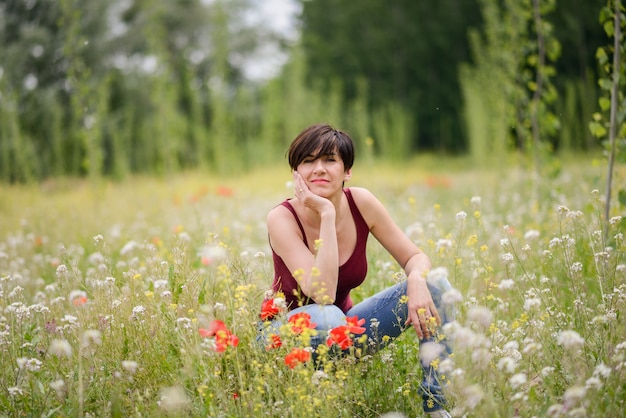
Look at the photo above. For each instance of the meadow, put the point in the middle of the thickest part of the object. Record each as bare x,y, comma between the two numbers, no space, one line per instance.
108,290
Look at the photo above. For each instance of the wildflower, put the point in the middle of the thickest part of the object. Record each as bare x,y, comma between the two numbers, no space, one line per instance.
15,391
174,399
130,366
138,310
472,395
92,337
570,339
506,284
31,364
531,303
269,309
223,337
209,253
62,270
275,342
443,244
355,324
300,322
574,394
342,335
78,297
451,296
531,234
481,315
517,380
430,352
297,356
507,364
460,216
475,201
59,387
60,348
318,376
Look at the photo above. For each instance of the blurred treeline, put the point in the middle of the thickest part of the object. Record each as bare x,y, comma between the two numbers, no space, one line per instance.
114,87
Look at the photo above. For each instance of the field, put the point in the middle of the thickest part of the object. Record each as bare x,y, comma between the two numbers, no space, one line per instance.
107,290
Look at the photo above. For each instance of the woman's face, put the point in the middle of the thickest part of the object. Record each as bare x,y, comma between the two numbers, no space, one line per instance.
324,174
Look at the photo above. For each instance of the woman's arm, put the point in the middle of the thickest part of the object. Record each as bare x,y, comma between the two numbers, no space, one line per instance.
414,262
317,274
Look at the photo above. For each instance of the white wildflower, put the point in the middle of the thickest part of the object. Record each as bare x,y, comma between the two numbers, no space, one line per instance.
33,365
562,210
576,267
318,376
174,399
128,247
130,366
15,391
602,370
507,257
531,303
59,387
91,337
429,352
480,315
62,271
460,216
593,383
60,348
531,234
452,296
472,396
570,339
507,364
443,244
506,284
546,371
138,310
574,394
517,380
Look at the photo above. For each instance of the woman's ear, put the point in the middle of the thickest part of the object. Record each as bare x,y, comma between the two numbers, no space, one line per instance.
348,175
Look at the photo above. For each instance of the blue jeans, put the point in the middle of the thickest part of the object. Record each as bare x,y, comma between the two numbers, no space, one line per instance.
385,315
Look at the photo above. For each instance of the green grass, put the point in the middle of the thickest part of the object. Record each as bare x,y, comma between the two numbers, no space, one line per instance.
527,256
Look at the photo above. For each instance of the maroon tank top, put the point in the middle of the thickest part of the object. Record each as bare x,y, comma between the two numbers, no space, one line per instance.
351,273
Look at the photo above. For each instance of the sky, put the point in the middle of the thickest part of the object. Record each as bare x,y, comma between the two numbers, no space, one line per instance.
280,16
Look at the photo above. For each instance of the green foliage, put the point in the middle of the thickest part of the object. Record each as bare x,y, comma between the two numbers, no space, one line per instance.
110,88
512,74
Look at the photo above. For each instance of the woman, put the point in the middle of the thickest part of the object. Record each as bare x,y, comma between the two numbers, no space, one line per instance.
319,240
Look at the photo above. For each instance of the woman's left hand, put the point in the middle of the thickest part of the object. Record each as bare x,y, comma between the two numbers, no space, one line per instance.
422,312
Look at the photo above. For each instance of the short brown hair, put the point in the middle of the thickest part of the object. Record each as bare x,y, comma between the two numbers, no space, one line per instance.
319,140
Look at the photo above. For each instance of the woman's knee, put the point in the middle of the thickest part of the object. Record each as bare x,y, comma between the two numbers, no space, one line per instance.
325,317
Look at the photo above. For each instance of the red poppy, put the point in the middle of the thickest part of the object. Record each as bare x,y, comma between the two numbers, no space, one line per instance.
224,191
269,309
341,336
297,356
276,342
223,337
301,321
79,301
355,324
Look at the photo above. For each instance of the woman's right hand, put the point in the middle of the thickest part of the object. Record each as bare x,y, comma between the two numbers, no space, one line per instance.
309,199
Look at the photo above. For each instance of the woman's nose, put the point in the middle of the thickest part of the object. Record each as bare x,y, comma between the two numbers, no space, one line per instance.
319,166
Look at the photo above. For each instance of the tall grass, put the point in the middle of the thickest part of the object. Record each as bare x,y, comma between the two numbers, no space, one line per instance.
103,292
